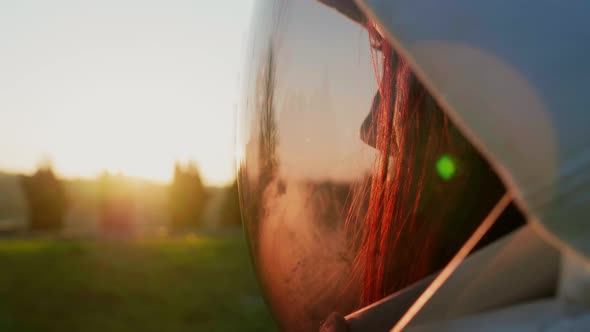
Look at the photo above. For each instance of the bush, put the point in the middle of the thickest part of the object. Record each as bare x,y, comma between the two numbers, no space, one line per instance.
187,197
230,212
46,198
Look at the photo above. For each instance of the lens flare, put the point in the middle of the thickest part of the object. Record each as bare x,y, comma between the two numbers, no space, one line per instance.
446,167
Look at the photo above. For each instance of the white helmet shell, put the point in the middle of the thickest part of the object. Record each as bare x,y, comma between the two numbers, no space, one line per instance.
511,76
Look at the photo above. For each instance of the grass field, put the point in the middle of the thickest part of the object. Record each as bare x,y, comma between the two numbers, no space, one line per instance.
189,283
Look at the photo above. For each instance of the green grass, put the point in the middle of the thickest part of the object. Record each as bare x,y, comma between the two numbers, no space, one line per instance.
182,284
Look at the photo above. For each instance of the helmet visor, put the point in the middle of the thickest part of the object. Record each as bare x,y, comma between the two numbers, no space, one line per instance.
353,183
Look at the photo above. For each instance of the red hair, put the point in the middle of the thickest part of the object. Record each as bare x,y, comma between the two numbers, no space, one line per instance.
413,220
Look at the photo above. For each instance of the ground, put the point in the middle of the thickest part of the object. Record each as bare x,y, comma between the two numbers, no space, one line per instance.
186,283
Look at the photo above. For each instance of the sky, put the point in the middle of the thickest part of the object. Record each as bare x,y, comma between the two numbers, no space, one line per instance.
121,85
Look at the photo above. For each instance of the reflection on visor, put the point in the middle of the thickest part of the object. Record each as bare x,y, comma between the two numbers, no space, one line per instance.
338,220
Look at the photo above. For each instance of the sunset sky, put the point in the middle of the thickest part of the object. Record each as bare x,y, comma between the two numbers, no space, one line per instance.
121,85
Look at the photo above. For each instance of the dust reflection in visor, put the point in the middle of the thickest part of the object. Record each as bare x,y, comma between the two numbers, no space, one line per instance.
348,193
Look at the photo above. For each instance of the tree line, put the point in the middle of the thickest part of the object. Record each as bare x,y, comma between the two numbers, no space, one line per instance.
48,201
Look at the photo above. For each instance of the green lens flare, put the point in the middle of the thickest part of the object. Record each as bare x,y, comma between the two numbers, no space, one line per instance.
446,167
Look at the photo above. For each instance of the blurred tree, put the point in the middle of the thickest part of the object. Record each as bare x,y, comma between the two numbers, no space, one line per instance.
187,196
231,214
116,203
268,138
268,135
46,198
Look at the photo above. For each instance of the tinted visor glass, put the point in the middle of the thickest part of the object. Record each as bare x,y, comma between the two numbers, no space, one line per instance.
353,182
